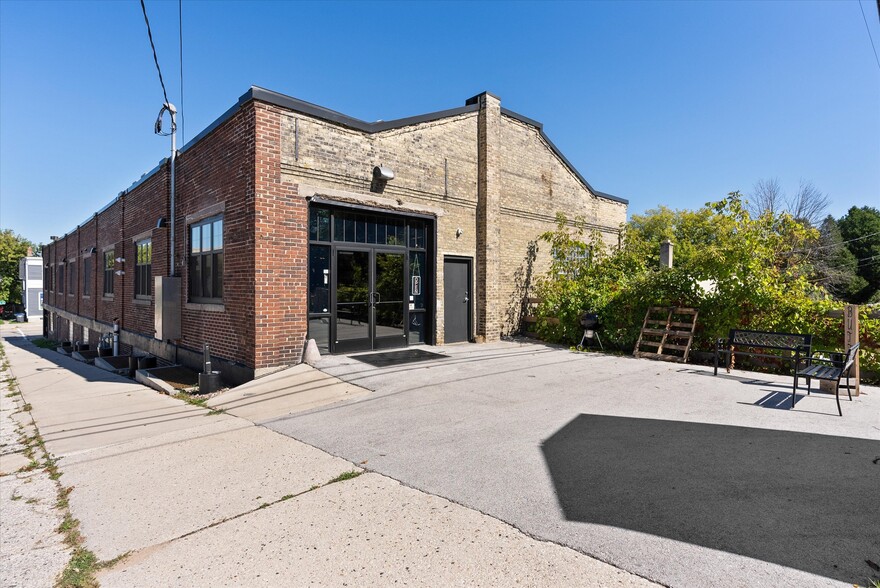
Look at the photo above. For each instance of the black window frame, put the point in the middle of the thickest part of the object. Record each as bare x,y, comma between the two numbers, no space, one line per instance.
71,275
205,266
86,275
143,269
109,272
59,282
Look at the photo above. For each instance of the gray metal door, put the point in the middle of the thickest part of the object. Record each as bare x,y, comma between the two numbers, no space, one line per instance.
456,299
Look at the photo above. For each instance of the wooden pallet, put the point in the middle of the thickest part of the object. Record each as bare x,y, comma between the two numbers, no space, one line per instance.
668,332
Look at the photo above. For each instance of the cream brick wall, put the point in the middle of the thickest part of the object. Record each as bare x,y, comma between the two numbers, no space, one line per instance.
437,164
536,185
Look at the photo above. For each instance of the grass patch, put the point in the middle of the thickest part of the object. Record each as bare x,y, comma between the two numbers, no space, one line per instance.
11,394
69,527
62,502
34,464
80,572
44,343
346,476
112,562
27,407
17,497
199,401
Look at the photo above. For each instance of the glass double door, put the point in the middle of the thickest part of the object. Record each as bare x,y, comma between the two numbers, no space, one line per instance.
369,294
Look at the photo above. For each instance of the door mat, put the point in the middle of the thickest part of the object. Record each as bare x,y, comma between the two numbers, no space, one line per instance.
389,358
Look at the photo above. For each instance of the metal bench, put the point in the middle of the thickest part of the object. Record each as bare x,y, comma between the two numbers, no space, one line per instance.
799,344
828,369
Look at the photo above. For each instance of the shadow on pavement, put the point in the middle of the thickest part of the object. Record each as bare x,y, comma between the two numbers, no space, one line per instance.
778,400
799,500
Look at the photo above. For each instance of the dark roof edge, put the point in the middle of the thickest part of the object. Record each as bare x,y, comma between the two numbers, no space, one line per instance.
134,185
210,128
303,107
540,127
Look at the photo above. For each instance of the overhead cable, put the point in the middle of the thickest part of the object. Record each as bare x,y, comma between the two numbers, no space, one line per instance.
867,28
817,248
155,59
180,31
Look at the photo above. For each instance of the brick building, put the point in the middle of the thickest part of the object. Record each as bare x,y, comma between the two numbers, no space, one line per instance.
294,222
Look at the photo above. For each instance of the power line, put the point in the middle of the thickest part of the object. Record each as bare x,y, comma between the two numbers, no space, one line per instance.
842,243
867,28
864,259
155,59
180,30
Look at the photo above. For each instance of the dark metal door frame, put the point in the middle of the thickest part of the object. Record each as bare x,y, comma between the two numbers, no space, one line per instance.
371,341
469,262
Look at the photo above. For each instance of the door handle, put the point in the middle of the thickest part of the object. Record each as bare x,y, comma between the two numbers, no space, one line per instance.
466,297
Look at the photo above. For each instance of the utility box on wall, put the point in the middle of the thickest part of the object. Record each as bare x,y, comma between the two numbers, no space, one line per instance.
166,294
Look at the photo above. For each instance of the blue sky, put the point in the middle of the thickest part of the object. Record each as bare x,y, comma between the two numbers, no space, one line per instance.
657,102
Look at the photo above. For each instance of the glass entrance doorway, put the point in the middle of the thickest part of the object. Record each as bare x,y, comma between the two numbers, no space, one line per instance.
370,311
370,275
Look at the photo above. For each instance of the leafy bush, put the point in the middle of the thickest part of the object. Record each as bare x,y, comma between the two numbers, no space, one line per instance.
739,272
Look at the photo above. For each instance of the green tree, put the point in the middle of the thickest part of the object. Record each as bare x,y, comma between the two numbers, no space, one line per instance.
12,248
836,266
740,271
860,227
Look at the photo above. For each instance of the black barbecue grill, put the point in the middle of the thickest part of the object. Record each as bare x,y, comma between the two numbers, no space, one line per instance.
590,322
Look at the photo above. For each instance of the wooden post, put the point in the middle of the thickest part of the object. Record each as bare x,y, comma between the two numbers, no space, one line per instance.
851,337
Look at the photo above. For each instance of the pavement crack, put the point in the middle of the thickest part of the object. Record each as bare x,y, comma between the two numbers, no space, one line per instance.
340,478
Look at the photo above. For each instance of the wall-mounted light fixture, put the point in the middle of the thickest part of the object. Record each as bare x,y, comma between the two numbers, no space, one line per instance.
119,272
120,260
381,176
89,250
161,223
459,233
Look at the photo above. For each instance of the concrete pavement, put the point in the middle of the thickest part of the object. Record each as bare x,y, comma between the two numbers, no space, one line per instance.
661,469
201,499
32,553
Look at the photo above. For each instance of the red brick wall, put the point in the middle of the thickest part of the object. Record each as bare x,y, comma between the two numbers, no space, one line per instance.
109,234
262,320
281,256
141,209
217,170
86,304
64,251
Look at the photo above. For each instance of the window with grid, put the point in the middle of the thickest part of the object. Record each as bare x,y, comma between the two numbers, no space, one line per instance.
60,280
206,260
143,270
71,272
108,273
87,276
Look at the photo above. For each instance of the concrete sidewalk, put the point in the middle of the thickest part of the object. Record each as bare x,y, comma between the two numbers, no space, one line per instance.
202,499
